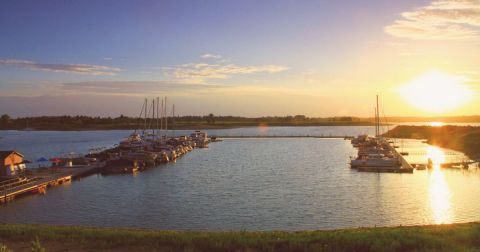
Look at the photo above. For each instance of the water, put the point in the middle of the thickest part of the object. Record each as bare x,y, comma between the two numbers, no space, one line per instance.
252,184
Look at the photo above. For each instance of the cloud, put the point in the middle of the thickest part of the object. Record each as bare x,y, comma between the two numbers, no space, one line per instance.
211,56
109,88
198,72
443,19
62,68
134,88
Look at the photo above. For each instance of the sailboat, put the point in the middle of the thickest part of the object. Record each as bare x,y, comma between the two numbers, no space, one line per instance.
403,153
375,152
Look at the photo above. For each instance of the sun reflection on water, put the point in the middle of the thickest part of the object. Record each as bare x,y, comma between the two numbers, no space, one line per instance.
439,192
436,155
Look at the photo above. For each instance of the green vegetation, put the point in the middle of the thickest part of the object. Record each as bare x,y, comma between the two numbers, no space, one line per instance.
4,248
36,246
455,237
183,122
461,138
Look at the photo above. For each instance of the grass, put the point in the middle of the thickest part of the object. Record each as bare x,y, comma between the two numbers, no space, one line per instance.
454,237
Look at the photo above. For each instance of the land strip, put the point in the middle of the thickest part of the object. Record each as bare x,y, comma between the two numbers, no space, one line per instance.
453,237
460,138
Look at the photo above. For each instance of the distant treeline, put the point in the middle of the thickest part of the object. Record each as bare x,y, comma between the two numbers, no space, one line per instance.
445,119
208,121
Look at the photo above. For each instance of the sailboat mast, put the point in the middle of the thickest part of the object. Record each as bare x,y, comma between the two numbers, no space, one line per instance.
145,117
158,105
153,118
375,121
161,120
173,120
166,117
378,119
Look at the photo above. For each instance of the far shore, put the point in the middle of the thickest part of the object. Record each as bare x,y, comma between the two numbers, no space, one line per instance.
448,237
182,126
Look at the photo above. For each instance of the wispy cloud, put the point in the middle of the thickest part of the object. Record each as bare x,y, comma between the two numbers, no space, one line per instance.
133,88
109,88
198,72
61,68
443,19
211,56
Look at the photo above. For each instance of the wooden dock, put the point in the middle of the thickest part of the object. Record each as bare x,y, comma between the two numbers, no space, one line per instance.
292,136
38,182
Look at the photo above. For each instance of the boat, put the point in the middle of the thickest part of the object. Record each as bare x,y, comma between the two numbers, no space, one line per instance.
200,138
375,154
375,160
133,141
420,167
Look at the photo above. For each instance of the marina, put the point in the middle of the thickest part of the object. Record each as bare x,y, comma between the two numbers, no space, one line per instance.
303,181
134,154
138,152
378,154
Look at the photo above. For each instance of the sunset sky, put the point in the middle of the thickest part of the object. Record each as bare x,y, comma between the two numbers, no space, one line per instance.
247,58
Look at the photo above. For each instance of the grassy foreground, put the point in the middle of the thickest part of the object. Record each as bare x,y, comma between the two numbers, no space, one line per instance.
454,237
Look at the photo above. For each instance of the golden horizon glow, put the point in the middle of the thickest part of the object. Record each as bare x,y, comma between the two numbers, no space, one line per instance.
436,91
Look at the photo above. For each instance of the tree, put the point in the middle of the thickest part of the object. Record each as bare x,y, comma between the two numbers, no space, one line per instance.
4,119
210,119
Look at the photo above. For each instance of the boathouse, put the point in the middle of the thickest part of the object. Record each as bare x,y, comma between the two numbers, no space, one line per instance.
11,163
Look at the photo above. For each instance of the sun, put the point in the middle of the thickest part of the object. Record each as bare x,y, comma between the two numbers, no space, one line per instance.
437,92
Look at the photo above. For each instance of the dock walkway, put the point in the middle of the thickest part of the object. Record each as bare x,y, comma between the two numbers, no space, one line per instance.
282,136
38,182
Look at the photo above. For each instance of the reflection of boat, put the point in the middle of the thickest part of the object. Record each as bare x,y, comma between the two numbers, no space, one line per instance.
118,166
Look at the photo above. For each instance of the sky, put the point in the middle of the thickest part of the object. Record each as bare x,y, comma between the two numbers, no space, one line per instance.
245,58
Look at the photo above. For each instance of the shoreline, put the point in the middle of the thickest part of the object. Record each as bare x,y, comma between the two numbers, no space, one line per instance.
196,126
444,237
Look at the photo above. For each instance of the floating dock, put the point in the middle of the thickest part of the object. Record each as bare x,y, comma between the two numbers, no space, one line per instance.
405,167
292,136
38,182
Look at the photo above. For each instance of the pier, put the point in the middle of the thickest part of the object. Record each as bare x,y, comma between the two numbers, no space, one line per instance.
405,167
283,136
38,182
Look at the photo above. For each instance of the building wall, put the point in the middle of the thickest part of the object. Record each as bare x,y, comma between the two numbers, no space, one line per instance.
11,165
13,159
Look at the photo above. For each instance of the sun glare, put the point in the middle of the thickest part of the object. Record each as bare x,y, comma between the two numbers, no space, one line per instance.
436,124
437,92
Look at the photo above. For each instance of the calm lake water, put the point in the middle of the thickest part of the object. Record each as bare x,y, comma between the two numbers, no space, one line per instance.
252,184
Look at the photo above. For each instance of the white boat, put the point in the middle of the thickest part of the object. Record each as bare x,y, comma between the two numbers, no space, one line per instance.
134,140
